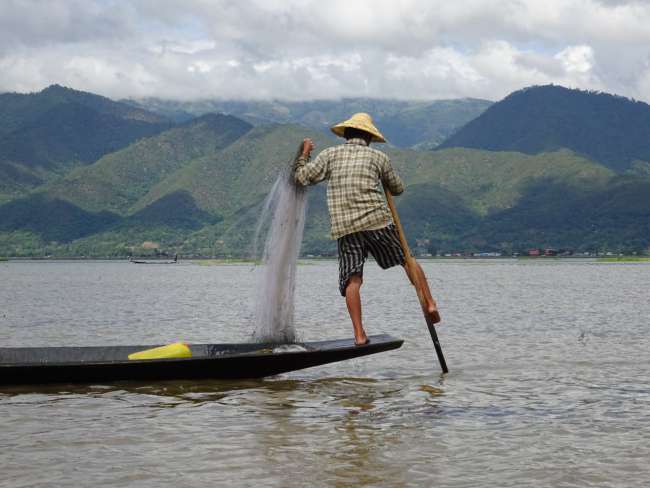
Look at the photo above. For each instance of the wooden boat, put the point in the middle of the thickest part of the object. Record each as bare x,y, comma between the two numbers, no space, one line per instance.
38,365
154,261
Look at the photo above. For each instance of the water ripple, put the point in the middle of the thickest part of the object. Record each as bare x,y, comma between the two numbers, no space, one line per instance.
548,382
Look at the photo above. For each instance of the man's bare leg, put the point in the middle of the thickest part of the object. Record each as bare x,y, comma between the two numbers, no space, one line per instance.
432,306
353,301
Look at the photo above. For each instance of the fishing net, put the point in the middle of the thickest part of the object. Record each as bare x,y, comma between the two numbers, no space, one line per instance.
285,208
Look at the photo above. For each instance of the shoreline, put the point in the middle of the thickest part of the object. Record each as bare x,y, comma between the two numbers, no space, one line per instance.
208,261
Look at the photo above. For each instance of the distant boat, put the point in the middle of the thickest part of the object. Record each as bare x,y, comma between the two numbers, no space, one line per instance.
154,261
38,365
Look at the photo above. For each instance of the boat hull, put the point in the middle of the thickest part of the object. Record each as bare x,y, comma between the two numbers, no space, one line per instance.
215,361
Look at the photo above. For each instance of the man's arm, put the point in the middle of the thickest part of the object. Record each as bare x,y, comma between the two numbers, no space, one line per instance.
306,172
390,179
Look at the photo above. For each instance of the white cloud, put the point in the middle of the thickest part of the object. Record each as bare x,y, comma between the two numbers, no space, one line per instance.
303,49
199,67
577,59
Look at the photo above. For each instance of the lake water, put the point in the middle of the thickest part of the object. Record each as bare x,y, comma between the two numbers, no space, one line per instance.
549,381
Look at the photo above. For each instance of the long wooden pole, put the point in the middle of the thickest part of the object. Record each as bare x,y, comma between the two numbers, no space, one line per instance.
411,271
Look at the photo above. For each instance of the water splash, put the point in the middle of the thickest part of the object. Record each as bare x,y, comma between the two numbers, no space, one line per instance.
285,206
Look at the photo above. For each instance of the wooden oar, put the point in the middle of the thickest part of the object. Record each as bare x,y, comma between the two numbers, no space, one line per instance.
410,267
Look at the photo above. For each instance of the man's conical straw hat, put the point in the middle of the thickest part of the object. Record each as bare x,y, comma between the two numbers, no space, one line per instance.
360,121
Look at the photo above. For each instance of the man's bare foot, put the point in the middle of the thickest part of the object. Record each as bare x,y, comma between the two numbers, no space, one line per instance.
361,342
435,316
432,311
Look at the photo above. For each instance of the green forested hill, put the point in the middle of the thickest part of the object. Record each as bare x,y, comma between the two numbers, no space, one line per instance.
117,181
550,214
606,128
467,199
488,181
43,135
239,175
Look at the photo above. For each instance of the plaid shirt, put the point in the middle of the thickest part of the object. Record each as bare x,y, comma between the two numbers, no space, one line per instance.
354,197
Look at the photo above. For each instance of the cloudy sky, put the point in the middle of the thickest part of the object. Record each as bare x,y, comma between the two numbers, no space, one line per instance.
303,49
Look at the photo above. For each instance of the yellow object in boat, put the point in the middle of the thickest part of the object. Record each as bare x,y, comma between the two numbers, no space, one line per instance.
176,350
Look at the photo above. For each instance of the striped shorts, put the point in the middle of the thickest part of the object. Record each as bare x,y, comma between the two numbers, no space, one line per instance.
353,248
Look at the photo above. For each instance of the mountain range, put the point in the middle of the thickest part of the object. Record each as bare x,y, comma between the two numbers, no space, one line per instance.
416,124
82,175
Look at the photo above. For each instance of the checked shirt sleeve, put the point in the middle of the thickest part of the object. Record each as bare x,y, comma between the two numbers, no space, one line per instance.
309,173
390,178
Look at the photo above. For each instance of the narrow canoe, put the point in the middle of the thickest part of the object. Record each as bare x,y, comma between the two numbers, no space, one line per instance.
39,365
155,261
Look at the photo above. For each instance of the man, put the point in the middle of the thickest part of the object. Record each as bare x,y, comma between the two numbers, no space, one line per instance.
361,222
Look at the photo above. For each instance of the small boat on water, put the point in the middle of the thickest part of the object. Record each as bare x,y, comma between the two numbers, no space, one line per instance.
154,261
40,365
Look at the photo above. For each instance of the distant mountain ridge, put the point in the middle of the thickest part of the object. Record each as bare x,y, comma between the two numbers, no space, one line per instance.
612,130
19,109
405,123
